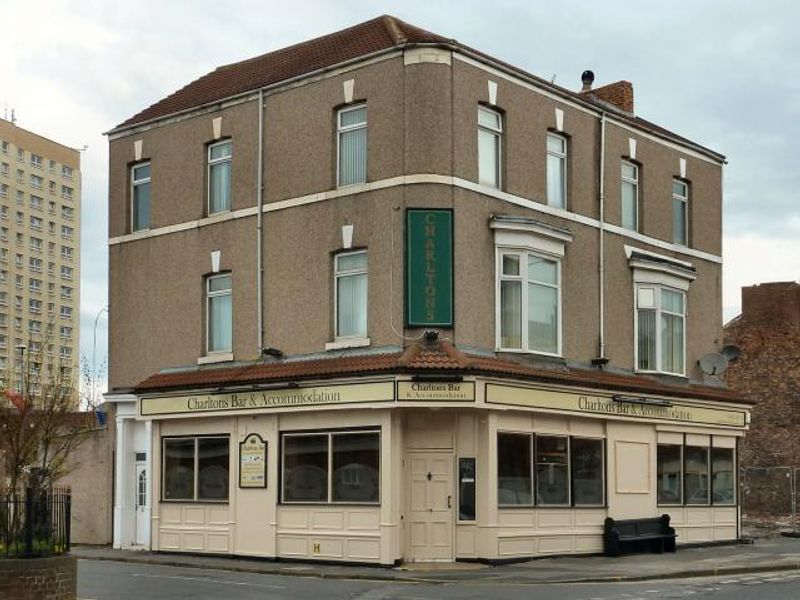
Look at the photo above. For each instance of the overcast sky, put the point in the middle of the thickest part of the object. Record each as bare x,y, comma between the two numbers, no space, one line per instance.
723,73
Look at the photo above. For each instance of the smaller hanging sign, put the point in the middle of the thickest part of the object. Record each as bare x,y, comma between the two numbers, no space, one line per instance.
253,462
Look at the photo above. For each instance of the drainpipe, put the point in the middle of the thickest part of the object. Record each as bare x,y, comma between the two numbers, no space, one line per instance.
260,225
601,264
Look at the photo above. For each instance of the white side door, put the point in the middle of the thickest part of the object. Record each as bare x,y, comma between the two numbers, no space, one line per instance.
140,503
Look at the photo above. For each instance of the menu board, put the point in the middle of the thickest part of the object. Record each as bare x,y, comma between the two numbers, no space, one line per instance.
253,462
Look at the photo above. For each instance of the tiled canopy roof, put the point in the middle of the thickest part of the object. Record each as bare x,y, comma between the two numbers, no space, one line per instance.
382,33
441,357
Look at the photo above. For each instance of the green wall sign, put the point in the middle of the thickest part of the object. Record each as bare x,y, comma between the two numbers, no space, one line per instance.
429,268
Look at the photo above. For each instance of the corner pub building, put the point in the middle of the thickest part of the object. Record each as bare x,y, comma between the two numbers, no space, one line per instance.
380,297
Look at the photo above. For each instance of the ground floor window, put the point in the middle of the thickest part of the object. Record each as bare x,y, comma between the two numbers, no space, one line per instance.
196,468
331,467
695,475
550,470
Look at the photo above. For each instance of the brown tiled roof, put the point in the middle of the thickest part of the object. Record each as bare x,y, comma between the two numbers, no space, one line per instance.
441,357
381,33
360,40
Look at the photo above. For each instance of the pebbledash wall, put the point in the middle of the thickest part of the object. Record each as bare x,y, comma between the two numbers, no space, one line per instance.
478,451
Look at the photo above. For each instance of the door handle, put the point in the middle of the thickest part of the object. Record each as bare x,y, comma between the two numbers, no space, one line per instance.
449,499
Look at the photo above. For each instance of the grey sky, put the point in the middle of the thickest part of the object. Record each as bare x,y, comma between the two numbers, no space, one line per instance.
723,73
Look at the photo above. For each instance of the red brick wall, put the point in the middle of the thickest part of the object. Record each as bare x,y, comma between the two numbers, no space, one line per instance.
620,94
768,371
39,578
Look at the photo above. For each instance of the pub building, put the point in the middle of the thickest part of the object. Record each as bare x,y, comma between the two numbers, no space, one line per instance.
379,297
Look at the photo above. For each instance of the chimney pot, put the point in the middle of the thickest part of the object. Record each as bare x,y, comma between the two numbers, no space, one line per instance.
587,78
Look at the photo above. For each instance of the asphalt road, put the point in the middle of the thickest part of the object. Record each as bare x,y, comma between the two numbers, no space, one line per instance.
104,580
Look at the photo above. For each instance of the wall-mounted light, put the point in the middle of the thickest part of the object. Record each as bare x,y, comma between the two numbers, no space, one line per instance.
644,401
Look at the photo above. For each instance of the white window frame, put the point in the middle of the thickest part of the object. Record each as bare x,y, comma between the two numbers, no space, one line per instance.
216,161
497,132
135,182
684,199
563,157
657,288
524,253
339,275
635,182
216,294
329,434
341,130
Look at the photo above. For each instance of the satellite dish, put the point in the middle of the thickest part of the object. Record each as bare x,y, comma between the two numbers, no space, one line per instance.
713,364
732,353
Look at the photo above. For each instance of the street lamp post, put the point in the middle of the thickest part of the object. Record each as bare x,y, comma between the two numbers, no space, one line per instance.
94,353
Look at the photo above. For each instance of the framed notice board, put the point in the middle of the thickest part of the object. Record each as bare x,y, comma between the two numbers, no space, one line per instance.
429,267
253,462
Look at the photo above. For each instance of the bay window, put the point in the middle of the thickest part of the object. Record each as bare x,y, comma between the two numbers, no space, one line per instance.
350,294
196,469
660,325
530,303
331,467
490,137
351,126
219,314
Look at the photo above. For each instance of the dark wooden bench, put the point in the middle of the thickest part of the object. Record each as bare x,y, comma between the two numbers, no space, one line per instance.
638,535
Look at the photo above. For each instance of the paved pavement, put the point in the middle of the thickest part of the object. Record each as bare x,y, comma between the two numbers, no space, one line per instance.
106,580
766,555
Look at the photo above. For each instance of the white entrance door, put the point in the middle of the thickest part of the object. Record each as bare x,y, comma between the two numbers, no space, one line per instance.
140,485
429,525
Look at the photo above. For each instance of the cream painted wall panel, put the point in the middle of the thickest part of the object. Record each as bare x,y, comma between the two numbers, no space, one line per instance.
632,473
550,424
622,505
218,542
697,534
364,550
292,546
427,429
466,440
556,544
516,547
724,442
516,518
514,421
584,518
725,516
363,520
465,541
170,513
327,548
328,519
693,439
724,533
587,427
170,541
218,515
548,518
699,516
293,518
670,437
194,515
192,542
589,543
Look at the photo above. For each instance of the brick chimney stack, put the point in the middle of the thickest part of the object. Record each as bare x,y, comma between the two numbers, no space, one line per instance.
620,93
772,303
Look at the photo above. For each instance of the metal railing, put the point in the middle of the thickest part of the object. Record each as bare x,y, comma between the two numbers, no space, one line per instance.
35,523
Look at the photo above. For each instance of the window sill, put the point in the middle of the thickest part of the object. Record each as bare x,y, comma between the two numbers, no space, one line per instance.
216,357
665,373
344,343
528,352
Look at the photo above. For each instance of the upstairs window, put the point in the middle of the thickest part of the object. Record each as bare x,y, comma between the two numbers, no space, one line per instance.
219,313
350,281
352,145
140,197
66,172
530,299
660,324
36,161
556,170
630,196
66,192
490,137
36,182
680,212
219,177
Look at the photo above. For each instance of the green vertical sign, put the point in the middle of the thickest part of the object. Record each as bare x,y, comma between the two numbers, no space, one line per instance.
429,268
